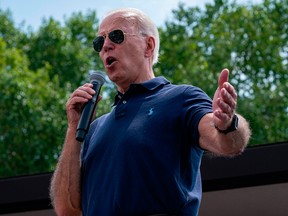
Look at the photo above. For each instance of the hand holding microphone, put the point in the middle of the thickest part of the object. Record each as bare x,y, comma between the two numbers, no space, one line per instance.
97,79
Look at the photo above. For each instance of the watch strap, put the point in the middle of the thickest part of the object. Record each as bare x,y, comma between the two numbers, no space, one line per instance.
232,127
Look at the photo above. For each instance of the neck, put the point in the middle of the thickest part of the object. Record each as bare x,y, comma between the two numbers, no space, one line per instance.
125,86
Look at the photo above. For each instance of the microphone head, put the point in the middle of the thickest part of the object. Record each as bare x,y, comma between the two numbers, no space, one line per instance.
97,76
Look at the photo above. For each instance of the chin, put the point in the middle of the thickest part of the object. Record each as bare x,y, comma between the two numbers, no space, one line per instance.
113,77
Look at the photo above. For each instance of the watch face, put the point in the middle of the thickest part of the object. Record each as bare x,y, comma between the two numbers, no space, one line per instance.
235,119
234,124
232,127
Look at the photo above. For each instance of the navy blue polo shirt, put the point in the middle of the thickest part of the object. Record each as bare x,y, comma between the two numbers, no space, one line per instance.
143,157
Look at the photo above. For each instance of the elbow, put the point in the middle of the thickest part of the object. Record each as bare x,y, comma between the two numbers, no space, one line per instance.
64,211
63,204
236,142
235,147
233,152
60,211
64,208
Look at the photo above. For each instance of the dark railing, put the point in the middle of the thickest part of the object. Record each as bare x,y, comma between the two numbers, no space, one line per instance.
260,165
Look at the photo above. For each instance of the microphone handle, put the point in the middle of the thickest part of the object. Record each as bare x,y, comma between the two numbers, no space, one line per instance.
87,113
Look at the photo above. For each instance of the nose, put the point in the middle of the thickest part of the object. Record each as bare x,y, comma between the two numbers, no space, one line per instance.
108,45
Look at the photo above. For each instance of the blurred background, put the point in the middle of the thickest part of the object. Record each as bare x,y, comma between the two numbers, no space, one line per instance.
46,52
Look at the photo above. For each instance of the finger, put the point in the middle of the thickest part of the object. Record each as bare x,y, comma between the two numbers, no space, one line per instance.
84,91
221,116
78,100
225,108
86,86
76,103
221,120
223,77
230,89
229,98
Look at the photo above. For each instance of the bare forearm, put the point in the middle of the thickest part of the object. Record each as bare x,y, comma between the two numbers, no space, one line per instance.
65,185
229,144
235,142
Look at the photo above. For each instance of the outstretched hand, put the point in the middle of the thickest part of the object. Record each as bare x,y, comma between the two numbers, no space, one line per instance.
224,102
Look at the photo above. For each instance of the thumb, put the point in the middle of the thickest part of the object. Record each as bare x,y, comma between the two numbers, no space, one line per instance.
223,77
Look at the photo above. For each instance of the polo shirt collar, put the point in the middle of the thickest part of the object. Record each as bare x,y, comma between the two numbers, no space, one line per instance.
155,83
149,85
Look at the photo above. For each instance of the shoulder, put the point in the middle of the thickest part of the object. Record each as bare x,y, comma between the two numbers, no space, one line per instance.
190,93
194,91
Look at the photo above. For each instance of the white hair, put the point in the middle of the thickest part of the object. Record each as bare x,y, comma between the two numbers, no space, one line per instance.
145,24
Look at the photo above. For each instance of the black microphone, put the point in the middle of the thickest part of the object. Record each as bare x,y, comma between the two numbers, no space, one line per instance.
97,79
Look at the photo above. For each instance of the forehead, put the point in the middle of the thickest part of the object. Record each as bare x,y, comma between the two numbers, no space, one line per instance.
117,21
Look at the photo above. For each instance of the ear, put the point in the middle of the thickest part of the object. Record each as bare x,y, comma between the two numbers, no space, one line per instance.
150,46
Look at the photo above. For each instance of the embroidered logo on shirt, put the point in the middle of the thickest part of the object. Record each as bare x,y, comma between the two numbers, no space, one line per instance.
151,111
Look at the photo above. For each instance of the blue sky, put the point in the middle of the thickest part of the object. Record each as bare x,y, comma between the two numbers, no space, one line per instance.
33,11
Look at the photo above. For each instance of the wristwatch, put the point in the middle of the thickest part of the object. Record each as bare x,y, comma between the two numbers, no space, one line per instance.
232,127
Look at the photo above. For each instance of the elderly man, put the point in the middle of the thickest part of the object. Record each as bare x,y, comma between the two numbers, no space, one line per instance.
143,158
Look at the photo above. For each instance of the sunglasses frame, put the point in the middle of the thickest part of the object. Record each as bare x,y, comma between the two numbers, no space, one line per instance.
111,38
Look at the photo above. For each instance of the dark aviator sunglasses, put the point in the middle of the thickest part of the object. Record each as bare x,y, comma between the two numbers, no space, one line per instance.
116,36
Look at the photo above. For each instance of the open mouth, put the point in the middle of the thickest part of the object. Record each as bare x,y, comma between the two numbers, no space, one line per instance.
110,60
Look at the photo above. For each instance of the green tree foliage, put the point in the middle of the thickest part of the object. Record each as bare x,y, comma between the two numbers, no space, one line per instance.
252,41
30,108
8,32
68,50
39,70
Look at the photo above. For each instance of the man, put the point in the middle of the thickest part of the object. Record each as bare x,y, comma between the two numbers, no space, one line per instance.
143,157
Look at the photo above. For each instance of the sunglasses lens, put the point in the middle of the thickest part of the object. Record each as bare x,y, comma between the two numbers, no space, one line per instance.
98,43
116,36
